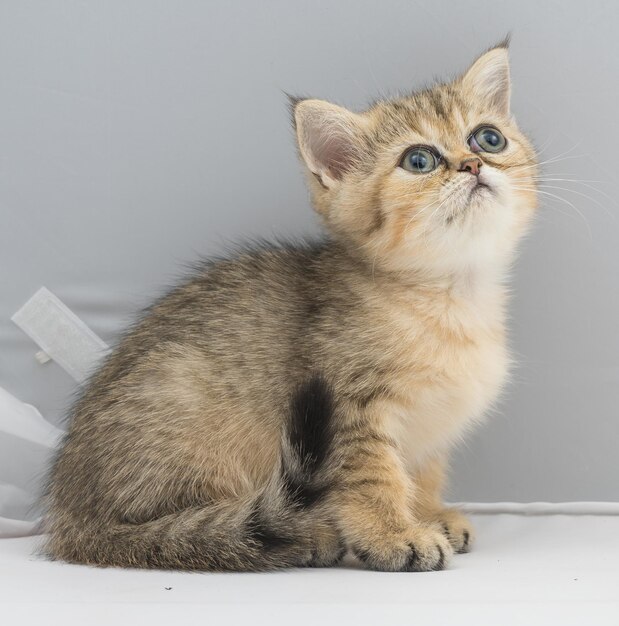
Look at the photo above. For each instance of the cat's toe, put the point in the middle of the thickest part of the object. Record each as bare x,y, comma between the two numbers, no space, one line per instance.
328,547
457,528
422,549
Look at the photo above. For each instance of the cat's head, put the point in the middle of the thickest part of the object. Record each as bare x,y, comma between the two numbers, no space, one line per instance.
440,181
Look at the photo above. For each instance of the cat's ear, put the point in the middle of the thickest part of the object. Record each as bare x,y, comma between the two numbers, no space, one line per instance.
488,79
329,138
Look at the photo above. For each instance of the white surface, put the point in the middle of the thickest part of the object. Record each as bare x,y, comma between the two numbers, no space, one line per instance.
524,570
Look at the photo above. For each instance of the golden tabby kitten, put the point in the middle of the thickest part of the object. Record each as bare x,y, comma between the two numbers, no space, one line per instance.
297,401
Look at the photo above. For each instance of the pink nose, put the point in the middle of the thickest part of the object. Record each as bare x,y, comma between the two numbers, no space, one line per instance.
471,165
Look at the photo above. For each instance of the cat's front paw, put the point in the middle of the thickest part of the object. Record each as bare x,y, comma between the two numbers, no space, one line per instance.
456,527
421,549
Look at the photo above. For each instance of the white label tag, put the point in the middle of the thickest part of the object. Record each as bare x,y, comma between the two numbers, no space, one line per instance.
60,334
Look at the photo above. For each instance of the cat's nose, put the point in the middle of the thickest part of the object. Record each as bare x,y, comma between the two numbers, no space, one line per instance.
471,165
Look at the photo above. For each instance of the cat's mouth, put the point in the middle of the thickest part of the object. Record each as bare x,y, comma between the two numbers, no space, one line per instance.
479,188
474,192
478,192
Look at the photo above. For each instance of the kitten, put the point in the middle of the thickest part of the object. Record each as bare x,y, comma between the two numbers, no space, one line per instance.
297,401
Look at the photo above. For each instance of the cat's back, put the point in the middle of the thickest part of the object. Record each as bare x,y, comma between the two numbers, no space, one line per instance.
247,302
254,284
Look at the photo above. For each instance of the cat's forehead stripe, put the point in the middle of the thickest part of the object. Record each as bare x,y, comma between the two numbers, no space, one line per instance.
437,115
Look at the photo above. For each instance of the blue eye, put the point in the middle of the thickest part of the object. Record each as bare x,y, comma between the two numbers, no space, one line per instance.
487,139
419,161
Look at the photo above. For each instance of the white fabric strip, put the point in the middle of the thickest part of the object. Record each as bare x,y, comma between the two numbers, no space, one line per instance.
24,421
539,508
11,528
24,434
60,334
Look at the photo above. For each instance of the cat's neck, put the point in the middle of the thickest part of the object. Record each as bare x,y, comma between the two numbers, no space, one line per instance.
466,295
469,282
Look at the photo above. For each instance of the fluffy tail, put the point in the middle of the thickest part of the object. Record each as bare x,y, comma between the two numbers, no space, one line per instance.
275,528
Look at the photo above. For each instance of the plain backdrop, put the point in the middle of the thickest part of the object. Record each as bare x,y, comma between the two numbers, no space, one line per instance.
137,135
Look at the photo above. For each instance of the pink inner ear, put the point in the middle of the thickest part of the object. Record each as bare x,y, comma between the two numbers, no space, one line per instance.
333,149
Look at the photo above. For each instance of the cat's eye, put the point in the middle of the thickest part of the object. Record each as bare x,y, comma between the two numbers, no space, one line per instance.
419,160
487,139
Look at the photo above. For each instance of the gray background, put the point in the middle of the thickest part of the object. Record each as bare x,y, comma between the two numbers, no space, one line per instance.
136,135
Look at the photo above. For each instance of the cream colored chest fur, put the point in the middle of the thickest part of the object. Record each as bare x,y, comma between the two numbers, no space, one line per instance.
452,362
